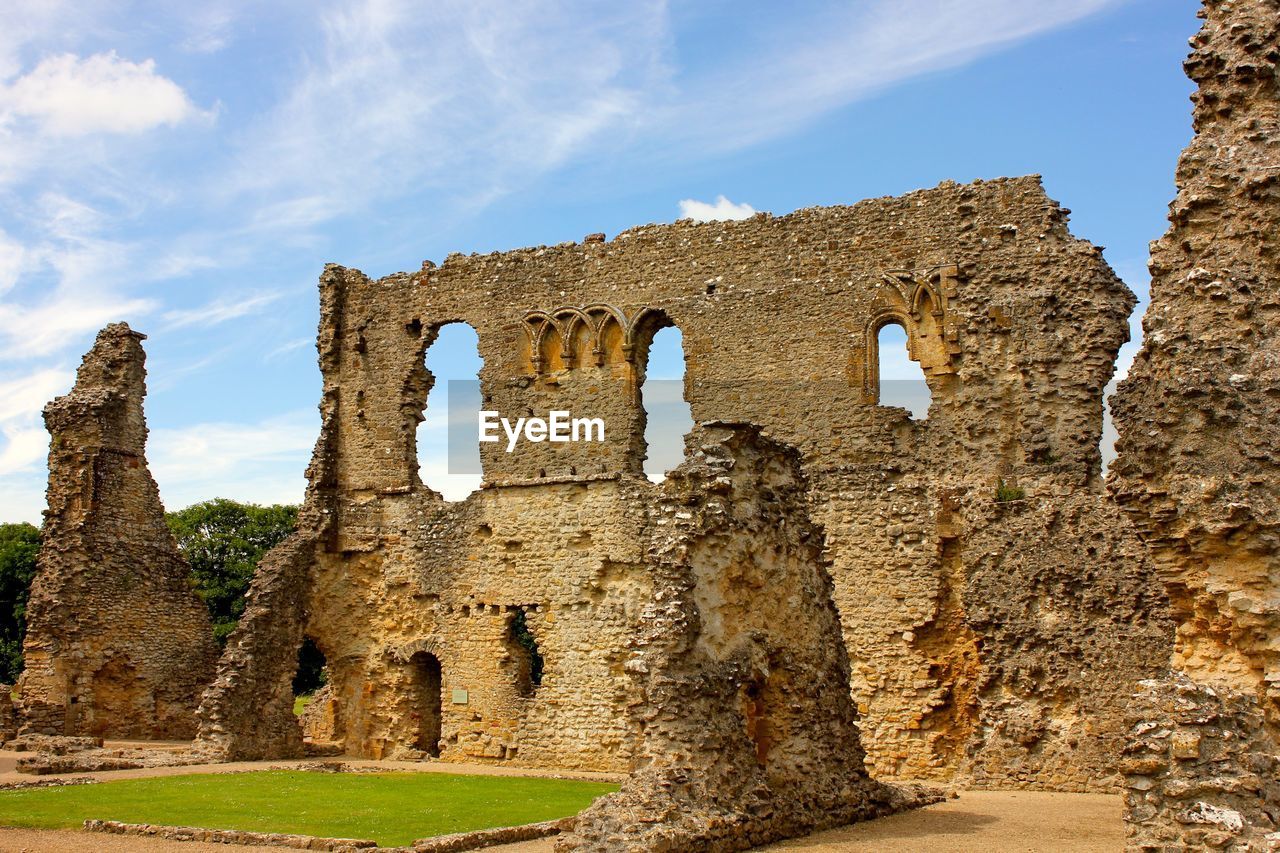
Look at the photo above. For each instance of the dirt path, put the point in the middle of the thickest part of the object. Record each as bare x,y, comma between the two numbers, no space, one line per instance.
60,841
977,822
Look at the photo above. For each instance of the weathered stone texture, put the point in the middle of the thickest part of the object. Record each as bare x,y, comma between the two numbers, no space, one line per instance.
247,712
118,643
8,714
1197,465
1202,771
739,678
1198,469
950,602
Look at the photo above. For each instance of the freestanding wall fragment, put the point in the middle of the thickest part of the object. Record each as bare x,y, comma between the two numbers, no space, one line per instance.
1198,467
118,644
739,672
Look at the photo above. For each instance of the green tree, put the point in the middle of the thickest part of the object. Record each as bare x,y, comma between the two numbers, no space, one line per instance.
19,544
223,541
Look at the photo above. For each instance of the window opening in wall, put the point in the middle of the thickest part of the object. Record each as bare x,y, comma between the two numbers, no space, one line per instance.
668,417
529,662
902,381
448,438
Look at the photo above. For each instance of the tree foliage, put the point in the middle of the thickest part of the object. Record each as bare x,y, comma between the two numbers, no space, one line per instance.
19,545
223,541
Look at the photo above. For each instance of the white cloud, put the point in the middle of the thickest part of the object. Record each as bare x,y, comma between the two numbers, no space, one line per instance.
71,96
288,347
25,396
29,331
464,101
23,448
722,208
262,462
217,311
25,441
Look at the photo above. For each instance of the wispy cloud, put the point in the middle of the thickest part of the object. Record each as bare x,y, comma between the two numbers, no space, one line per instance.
288,347
261,461
837,53
467,100
24,397
721,208
81,272
218,311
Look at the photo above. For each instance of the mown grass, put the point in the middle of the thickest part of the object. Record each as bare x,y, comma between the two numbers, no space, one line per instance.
390,808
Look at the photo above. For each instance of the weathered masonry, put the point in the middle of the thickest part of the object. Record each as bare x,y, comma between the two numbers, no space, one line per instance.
118,643
1198,467
995,608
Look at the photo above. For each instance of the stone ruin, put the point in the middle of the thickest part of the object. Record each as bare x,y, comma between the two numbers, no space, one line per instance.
1199,459
118,643
826,586
975,629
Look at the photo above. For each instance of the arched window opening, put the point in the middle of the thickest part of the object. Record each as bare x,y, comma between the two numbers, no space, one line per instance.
448,437
902,382
426,684
524,651
311,675
667,416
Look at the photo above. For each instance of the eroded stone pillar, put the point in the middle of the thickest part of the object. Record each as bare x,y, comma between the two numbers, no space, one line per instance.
739,672
1198,469
118,643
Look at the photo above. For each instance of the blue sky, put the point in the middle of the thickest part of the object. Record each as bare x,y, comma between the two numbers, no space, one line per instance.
189,168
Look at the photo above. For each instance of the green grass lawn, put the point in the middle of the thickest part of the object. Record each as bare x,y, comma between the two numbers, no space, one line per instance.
390,808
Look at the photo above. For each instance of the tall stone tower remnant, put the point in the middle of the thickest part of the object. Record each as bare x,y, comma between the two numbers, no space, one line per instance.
118,643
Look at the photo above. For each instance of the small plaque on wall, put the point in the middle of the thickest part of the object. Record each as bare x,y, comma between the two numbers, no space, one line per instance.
459,696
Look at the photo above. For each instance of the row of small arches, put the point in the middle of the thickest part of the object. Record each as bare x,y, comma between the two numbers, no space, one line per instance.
595,336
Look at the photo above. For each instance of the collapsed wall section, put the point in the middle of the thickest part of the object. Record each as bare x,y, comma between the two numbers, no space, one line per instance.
118,643
1197,468
739,680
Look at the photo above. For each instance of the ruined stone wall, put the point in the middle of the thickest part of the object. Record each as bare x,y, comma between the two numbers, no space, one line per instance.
1016,325
1197,468
118,643
738,677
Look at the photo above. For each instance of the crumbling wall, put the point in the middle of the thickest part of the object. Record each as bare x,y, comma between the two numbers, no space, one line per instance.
247,712
1016,324
1197,467
118,644
738,674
